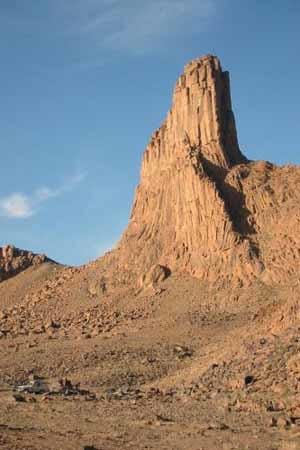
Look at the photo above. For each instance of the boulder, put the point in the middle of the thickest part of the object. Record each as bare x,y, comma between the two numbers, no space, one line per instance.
156,274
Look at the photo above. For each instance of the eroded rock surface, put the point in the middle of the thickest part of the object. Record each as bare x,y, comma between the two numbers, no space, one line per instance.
155,275
201,206
13,261
167,361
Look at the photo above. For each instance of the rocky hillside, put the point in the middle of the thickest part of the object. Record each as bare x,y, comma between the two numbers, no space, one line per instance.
201,206
13,261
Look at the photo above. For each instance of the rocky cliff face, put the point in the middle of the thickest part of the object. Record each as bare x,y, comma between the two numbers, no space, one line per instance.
14,261
200,118
201,207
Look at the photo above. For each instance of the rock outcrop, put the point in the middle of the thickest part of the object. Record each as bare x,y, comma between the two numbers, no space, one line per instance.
14,261
201,206
155,275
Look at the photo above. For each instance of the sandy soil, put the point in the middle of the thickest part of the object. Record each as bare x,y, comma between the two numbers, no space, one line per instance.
184,367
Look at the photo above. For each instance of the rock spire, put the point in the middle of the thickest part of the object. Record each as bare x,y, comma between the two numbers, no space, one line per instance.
181,217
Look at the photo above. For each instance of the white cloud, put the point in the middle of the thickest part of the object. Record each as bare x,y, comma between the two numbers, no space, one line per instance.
44,193
16,205
139,25
146,23
130,25
21,206
72,181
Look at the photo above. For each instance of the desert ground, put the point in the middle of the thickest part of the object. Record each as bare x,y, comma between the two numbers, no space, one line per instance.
167,369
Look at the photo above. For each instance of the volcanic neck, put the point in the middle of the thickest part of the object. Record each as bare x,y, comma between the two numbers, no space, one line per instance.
200,118
180,218
201,206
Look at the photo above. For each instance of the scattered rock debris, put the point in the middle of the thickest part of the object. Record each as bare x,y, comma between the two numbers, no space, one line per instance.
182,352
64,387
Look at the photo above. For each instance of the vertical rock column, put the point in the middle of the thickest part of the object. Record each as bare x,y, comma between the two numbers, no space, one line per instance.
179,217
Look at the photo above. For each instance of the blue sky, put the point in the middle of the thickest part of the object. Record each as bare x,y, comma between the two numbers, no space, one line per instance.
85,82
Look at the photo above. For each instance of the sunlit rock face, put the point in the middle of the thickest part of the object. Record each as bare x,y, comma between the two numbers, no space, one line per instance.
14,260
201,205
